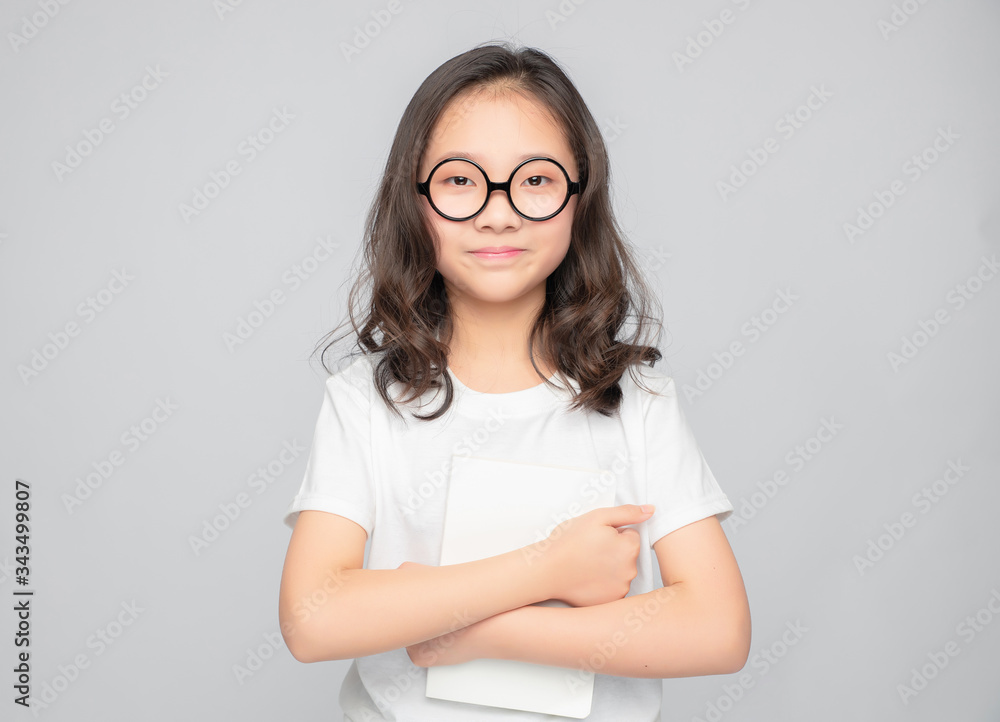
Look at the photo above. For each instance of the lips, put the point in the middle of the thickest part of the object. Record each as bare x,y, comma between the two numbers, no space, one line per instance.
497,253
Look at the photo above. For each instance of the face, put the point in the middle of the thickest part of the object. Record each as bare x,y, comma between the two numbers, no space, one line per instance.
498,133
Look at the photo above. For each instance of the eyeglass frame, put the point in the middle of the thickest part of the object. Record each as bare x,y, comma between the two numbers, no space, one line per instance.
572,187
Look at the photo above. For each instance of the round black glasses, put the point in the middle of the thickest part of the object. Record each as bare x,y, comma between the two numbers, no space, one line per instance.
537,189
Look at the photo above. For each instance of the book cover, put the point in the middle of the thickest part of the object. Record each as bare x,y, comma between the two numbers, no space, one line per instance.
496,506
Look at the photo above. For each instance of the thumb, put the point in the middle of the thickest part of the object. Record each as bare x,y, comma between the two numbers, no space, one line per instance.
406,565
627,514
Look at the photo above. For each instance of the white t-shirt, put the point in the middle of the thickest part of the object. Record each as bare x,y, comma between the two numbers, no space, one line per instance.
391,477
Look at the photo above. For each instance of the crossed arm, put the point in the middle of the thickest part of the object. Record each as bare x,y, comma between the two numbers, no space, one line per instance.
698,623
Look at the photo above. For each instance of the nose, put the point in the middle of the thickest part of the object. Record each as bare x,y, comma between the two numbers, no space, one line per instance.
498,213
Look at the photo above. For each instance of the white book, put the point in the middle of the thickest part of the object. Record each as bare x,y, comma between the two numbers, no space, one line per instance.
493,507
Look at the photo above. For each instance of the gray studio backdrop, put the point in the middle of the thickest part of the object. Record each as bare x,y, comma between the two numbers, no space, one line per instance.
812,189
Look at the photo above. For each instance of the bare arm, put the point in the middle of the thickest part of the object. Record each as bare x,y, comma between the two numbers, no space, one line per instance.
331,608
697,624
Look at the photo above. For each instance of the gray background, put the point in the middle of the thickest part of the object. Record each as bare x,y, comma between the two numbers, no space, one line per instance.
674,131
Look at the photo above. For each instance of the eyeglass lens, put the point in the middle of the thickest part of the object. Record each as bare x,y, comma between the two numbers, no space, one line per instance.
458,188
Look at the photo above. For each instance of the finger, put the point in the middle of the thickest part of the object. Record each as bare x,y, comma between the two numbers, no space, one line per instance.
625,514
628,531
632,535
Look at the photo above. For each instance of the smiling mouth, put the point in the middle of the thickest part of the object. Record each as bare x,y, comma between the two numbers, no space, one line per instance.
497,253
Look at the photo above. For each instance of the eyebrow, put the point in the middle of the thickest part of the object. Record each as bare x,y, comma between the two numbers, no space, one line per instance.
479,159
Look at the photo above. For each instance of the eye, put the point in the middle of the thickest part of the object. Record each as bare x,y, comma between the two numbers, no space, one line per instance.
536,180
461,181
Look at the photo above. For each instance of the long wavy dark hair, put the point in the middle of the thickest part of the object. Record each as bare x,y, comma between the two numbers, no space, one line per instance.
405,318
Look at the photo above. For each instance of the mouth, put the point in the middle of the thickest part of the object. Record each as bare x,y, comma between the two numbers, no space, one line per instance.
497,252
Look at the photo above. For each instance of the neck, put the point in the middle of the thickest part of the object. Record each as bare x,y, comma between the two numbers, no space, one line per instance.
494,336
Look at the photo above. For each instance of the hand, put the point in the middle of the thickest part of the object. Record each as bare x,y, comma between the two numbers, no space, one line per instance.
589,560
456,647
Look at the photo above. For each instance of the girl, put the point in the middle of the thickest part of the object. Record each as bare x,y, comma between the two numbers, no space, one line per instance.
499,287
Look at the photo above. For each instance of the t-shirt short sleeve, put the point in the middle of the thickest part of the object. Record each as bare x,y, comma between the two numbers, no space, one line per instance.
338,477
679,481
